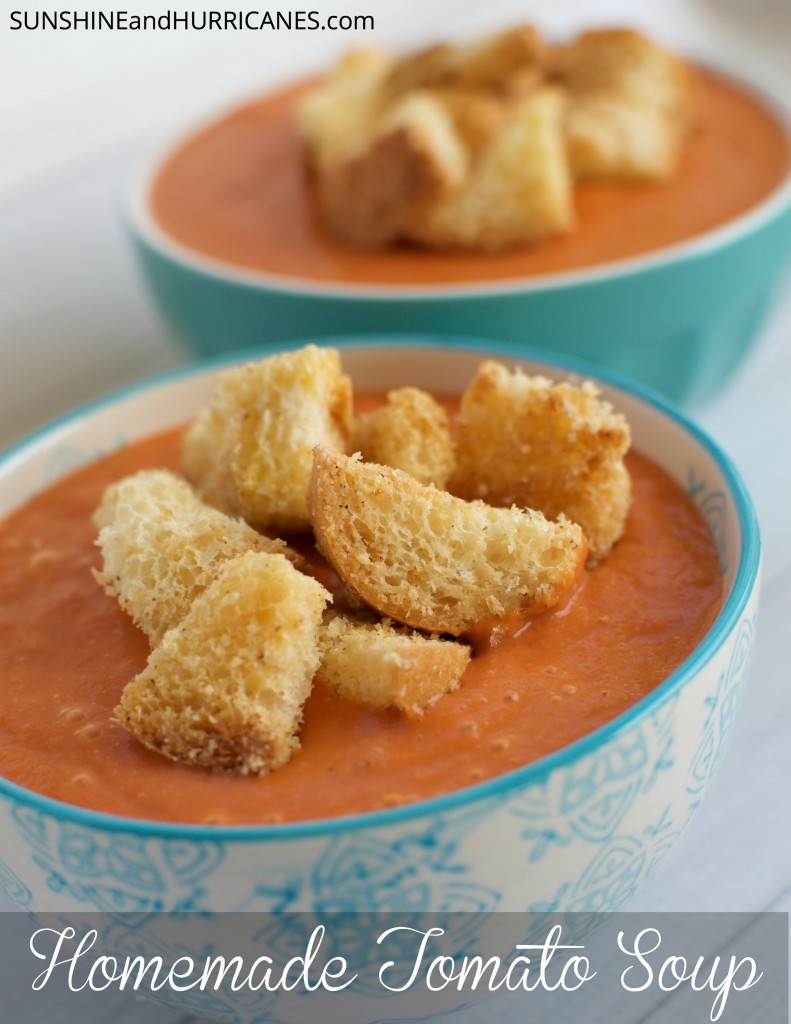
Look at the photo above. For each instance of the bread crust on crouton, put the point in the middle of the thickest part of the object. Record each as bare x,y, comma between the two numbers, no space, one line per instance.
508,63
225,687
415,158
162,546
430,560
631,104
558,448
250,451
385,665
411,433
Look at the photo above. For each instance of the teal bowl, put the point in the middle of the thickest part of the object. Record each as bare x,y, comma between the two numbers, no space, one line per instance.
679,320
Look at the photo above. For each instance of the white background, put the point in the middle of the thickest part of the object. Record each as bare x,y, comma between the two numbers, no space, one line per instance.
78,110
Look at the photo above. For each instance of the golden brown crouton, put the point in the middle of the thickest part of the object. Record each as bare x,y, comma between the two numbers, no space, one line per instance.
411,433
414,158
553,447
225,687
337,118
430,560
613,137
384,665
518,191
452,148
630,105
476,116
162,546
626,62
250,451
508,63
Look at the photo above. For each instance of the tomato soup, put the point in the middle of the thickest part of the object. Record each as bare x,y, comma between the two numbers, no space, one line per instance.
238,192
533,685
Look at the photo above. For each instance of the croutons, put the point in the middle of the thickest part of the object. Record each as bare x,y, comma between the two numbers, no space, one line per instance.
630,105
431,560
238,632
507,63
338,118
413,159
518,191
225,687
250,452
384,665
478,145
161,547
558,448
411,433
452,148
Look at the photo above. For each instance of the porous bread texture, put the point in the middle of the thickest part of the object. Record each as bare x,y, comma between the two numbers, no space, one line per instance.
631,104
558,448
226,686
410,432
518,191
250,451
385,665
430,560
161,547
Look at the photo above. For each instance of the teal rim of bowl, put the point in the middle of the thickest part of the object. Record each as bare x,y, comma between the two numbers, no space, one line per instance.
138,217
500,785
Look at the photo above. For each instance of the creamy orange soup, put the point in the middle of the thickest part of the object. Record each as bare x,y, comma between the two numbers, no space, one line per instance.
533,685
238,192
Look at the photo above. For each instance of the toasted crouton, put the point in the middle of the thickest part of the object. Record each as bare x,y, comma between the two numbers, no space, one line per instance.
414,158
430,560
627,63
338,118
225,687
555,447
250,451
613,137
508,63
161,547
630,105
384,665
411,433
518,191
477,116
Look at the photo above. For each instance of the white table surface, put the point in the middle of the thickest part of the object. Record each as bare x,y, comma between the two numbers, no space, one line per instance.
78,109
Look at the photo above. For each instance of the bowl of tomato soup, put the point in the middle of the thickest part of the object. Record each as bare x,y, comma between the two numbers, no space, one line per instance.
666,282
576,750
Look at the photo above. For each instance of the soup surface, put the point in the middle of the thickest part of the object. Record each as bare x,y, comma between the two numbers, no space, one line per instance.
532,686
238,192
